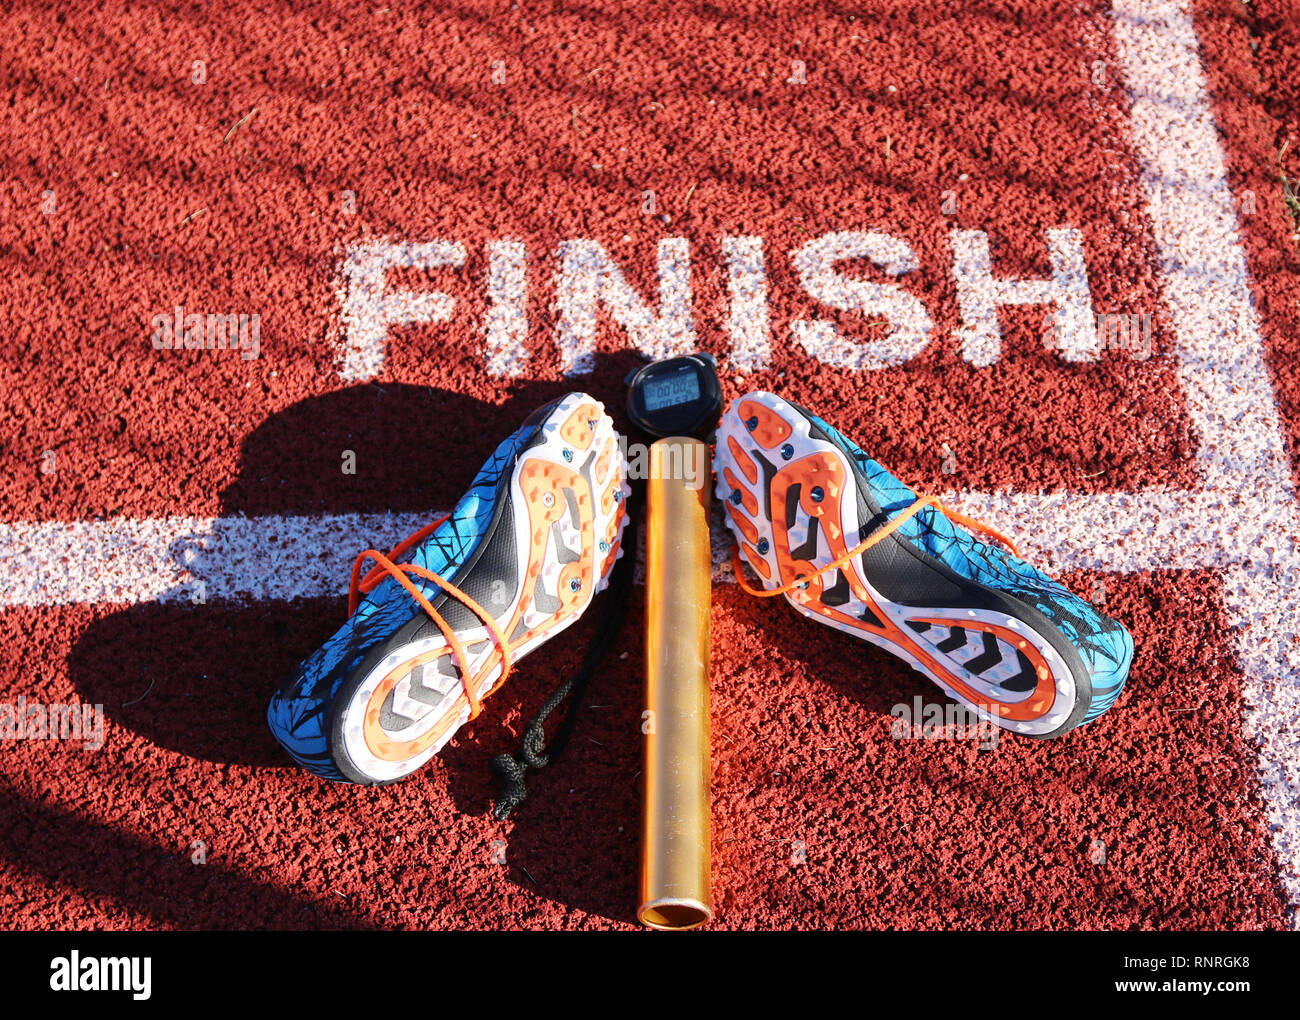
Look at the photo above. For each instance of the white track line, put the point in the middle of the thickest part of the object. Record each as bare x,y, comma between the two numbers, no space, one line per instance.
164,559
1244,522
125,561
1227,387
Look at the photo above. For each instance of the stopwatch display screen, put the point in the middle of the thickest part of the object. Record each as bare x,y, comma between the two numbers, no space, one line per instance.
677,397
678,386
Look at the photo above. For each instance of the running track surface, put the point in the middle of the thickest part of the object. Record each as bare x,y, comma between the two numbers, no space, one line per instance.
177,527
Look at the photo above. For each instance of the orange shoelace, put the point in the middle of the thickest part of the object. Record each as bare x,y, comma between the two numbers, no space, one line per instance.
401,573
879,535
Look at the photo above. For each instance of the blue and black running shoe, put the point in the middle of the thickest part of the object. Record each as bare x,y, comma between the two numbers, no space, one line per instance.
849,545
434,626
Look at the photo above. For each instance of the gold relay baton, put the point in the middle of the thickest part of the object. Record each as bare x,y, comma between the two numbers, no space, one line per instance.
679,401
675,886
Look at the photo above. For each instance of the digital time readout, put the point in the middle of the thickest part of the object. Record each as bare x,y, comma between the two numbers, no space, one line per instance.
678,387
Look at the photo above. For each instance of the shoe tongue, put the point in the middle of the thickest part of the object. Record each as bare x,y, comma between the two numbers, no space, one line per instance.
929,526
879,477
892,495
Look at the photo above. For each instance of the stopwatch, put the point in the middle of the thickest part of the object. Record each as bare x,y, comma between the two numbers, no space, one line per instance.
676,397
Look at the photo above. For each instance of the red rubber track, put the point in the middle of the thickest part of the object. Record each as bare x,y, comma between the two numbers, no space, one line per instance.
174,193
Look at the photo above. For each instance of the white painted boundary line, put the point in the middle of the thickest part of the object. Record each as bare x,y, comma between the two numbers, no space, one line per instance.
1244,521
1226,383
164,559
125,561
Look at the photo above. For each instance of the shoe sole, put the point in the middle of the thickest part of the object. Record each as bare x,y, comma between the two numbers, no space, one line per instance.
535,570
985,648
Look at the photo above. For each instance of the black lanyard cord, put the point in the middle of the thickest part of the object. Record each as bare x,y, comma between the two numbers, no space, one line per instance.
510,770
